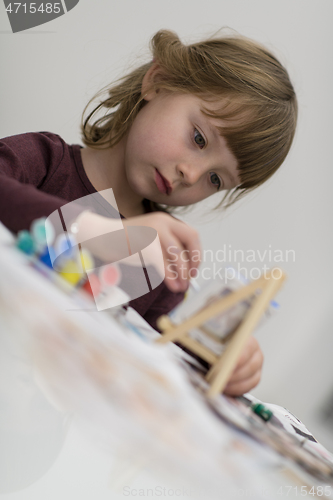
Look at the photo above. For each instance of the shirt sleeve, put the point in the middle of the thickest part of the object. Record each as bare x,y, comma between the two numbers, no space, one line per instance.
26,161
163,304
154,304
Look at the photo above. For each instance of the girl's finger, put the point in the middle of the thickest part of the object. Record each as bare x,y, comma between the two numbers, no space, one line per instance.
250,348
190,243
176,267
246,371
240,388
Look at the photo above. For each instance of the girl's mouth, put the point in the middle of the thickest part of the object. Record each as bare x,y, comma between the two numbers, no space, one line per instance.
162,184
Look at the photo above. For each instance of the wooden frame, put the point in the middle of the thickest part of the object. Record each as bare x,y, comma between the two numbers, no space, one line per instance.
263,289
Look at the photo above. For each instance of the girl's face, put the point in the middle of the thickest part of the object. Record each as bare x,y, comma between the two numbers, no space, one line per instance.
174,154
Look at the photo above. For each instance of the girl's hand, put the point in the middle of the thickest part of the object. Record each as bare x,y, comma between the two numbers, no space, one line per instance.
180,247
247,373
179,242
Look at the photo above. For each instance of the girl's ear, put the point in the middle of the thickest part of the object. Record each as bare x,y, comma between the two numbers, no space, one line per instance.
147,91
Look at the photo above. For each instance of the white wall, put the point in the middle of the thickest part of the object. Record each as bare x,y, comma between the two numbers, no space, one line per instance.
49,73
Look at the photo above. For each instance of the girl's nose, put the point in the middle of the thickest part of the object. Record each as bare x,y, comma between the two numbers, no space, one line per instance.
189,173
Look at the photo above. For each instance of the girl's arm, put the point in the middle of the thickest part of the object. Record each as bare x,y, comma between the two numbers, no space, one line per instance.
27,162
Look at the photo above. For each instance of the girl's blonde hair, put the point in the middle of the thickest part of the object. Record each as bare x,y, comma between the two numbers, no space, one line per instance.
257,99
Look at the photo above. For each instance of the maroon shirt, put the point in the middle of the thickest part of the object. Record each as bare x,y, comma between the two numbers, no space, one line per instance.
40,173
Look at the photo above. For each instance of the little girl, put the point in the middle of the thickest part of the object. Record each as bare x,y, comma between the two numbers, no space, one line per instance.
218,115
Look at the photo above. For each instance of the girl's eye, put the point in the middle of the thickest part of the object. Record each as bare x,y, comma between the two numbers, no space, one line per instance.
215,180
198,139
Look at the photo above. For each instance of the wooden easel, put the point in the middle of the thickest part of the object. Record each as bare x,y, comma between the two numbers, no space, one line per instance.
262,289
